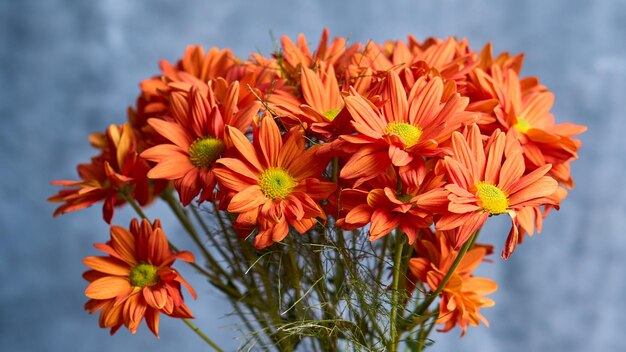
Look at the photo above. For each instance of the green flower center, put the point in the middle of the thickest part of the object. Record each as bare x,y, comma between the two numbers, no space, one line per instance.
492,198
204,151
331,114
522,125
410,134
404,198
276,183
144,274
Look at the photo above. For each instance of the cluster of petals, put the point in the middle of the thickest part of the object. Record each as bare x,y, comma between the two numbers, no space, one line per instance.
274,182
117,172
135,280
462,296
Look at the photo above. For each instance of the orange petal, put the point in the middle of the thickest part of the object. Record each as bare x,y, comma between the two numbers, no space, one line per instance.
107,287
247,199
172,131
107,265
270,142
123,242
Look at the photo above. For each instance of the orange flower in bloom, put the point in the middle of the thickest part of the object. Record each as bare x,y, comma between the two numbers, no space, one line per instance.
406,129
411,209
482,183
136,280
525,112
117,172
294,56
275,182
197,138
195,66
462,296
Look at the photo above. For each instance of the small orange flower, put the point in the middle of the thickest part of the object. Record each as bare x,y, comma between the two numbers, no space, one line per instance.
462,296
136,279
407,128
298,55
275,181
116,171
197,138
482,183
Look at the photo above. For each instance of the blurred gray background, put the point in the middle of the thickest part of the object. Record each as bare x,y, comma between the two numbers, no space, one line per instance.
68,68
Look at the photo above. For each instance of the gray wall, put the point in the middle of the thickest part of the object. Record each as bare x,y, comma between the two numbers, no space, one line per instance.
71,67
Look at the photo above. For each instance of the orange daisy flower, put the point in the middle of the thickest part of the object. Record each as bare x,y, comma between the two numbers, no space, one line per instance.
485,180
462,296
136,280
411,208
525,112
117,170
197,138
296,55
275,182
195,66
406,129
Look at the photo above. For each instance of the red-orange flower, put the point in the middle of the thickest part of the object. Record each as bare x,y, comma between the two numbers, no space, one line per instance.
462,296
411,208
486,180
525,112
407,128
115,173
136,280
197,137
275,182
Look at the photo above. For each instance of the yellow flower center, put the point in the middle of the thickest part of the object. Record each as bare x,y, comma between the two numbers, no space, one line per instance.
204,151
522,125
276,183
331,114
144,274
410,134
492,199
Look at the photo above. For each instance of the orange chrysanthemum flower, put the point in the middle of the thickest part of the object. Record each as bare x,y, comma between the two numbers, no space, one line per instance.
407,128
197,137
462,296
295,56
136,279
196,66
484,181
275,182
114,174
410,209
525,112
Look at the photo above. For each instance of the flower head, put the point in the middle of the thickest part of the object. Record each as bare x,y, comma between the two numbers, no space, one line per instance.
196,137
117,172
407,128
135,279
485,180
275,182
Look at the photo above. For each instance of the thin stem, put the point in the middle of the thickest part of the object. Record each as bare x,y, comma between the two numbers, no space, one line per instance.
423,334
186,222
393,343
202,335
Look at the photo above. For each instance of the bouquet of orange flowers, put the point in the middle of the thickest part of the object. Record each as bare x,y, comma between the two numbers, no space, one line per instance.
336,196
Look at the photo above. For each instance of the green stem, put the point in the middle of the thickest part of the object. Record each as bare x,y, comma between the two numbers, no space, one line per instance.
186,222
202,335
397,264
